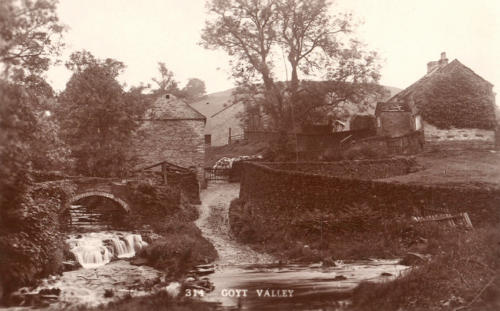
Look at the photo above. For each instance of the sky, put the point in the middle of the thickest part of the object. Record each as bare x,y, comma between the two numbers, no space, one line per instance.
406,33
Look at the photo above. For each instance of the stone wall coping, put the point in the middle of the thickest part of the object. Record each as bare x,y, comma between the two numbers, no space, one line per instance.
367,161
264,167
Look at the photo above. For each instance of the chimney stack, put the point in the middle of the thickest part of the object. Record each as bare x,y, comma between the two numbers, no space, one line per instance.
443,61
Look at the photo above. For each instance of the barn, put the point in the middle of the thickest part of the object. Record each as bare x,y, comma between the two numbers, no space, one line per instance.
171,131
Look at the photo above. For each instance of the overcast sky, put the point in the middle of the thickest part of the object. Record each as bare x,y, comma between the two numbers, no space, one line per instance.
406,33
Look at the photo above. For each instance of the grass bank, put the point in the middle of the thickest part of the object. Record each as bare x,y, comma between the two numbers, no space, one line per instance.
357,233
460,268
463,274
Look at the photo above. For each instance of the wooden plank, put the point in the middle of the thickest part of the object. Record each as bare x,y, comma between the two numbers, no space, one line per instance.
449,218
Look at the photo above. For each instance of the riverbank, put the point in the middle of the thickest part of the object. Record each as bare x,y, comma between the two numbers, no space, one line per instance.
462,273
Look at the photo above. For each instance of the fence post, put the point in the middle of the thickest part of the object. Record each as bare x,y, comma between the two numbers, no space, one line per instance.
229,137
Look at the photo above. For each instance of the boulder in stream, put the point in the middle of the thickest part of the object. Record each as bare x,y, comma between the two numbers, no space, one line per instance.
412,259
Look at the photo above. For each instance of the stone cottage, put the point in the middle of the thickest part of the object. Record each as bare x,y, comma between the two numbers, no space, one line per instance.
171,131
451,104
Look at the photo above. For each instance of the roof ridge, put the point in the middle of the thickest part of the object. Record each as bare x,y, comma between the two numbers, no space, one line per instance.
451,64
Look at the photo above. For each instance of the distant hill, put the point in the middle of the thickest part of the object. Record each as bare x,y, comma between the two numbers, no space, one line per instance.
222,114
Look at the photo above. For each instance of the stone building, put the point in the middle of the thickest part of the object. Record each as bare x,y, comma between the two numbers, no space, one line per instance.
171,131
396,119
451,104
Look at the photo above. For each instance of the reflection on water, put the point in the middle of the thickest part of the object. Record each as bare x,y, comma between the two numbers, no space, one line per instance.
295,287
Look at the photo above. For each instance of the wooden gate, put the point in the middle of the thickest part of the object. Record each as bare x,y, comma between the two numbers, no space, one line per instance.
217,173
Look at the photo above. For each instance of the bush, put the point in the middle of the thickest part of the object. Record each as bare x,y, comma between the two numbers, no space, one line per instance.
181,248
281,149
154,204
33,247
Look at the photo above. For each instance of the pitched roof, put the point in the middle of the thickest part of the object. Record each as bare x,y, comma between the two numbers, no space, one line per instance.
422,83
169,107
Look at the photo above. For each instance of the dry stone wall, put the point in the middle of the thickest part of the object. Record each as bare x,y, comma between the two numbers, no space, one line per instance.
471,137
273,194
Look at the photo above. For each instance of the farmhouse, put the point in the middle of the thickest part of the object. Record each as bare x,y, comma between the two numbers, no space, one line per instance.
171,131
451,104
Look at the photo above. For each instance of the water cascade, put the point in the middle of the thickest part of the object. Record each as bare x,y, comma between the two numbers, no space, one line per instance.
96,249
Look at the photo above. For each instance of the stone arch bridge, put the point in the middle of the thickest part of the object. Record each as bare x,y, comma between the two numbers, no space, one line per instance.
111,188
99,214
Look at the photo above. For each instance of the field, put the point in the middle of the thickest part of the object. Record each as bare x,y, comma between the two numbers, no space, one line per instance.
479,168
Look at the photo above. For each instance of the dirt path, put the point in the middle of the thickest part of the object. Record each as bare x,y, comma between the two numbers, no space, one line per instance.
214,224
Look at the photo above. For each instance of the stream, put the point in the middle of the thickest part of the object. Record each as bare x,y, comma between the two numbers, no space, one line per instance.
242,278
248,280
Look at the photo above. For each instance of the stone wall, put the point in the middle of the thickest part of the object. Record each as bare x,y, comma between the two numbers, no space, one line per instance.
477,138
277,195
358,169
180,142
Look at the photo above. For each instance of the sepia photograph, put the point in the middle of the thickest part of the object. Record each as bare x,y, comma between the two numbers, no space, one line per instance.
216,155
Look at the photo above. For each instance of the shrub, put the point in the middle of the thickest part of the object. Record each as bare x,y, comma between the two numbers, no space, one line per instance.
154,204
35,247
181,248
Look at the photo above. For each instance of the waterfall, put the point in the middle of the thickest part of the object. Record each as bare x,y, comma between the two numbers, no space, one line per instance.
96,249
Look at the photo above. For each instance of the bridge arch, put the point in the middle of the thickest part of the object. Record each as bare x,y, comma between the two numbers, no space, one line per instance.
108,195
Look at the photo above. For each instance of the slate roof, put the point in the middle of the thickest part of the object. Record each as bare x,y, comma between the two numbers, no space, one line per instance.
169,107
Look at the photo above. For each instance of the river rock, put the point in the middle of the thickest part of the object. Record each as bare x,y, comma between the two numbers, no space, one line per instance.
328,262
139,261
71,265
50,291
412,259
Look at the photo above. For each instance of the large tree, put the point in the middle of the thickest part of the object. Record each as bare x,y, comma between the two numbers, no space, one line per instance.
98,117
30,36
257,33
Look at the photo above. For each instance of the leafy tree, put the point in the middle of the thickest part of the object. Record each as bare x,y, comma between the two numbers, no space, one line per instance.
166,82
194,88
17,128
256,33
98,117
30,35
